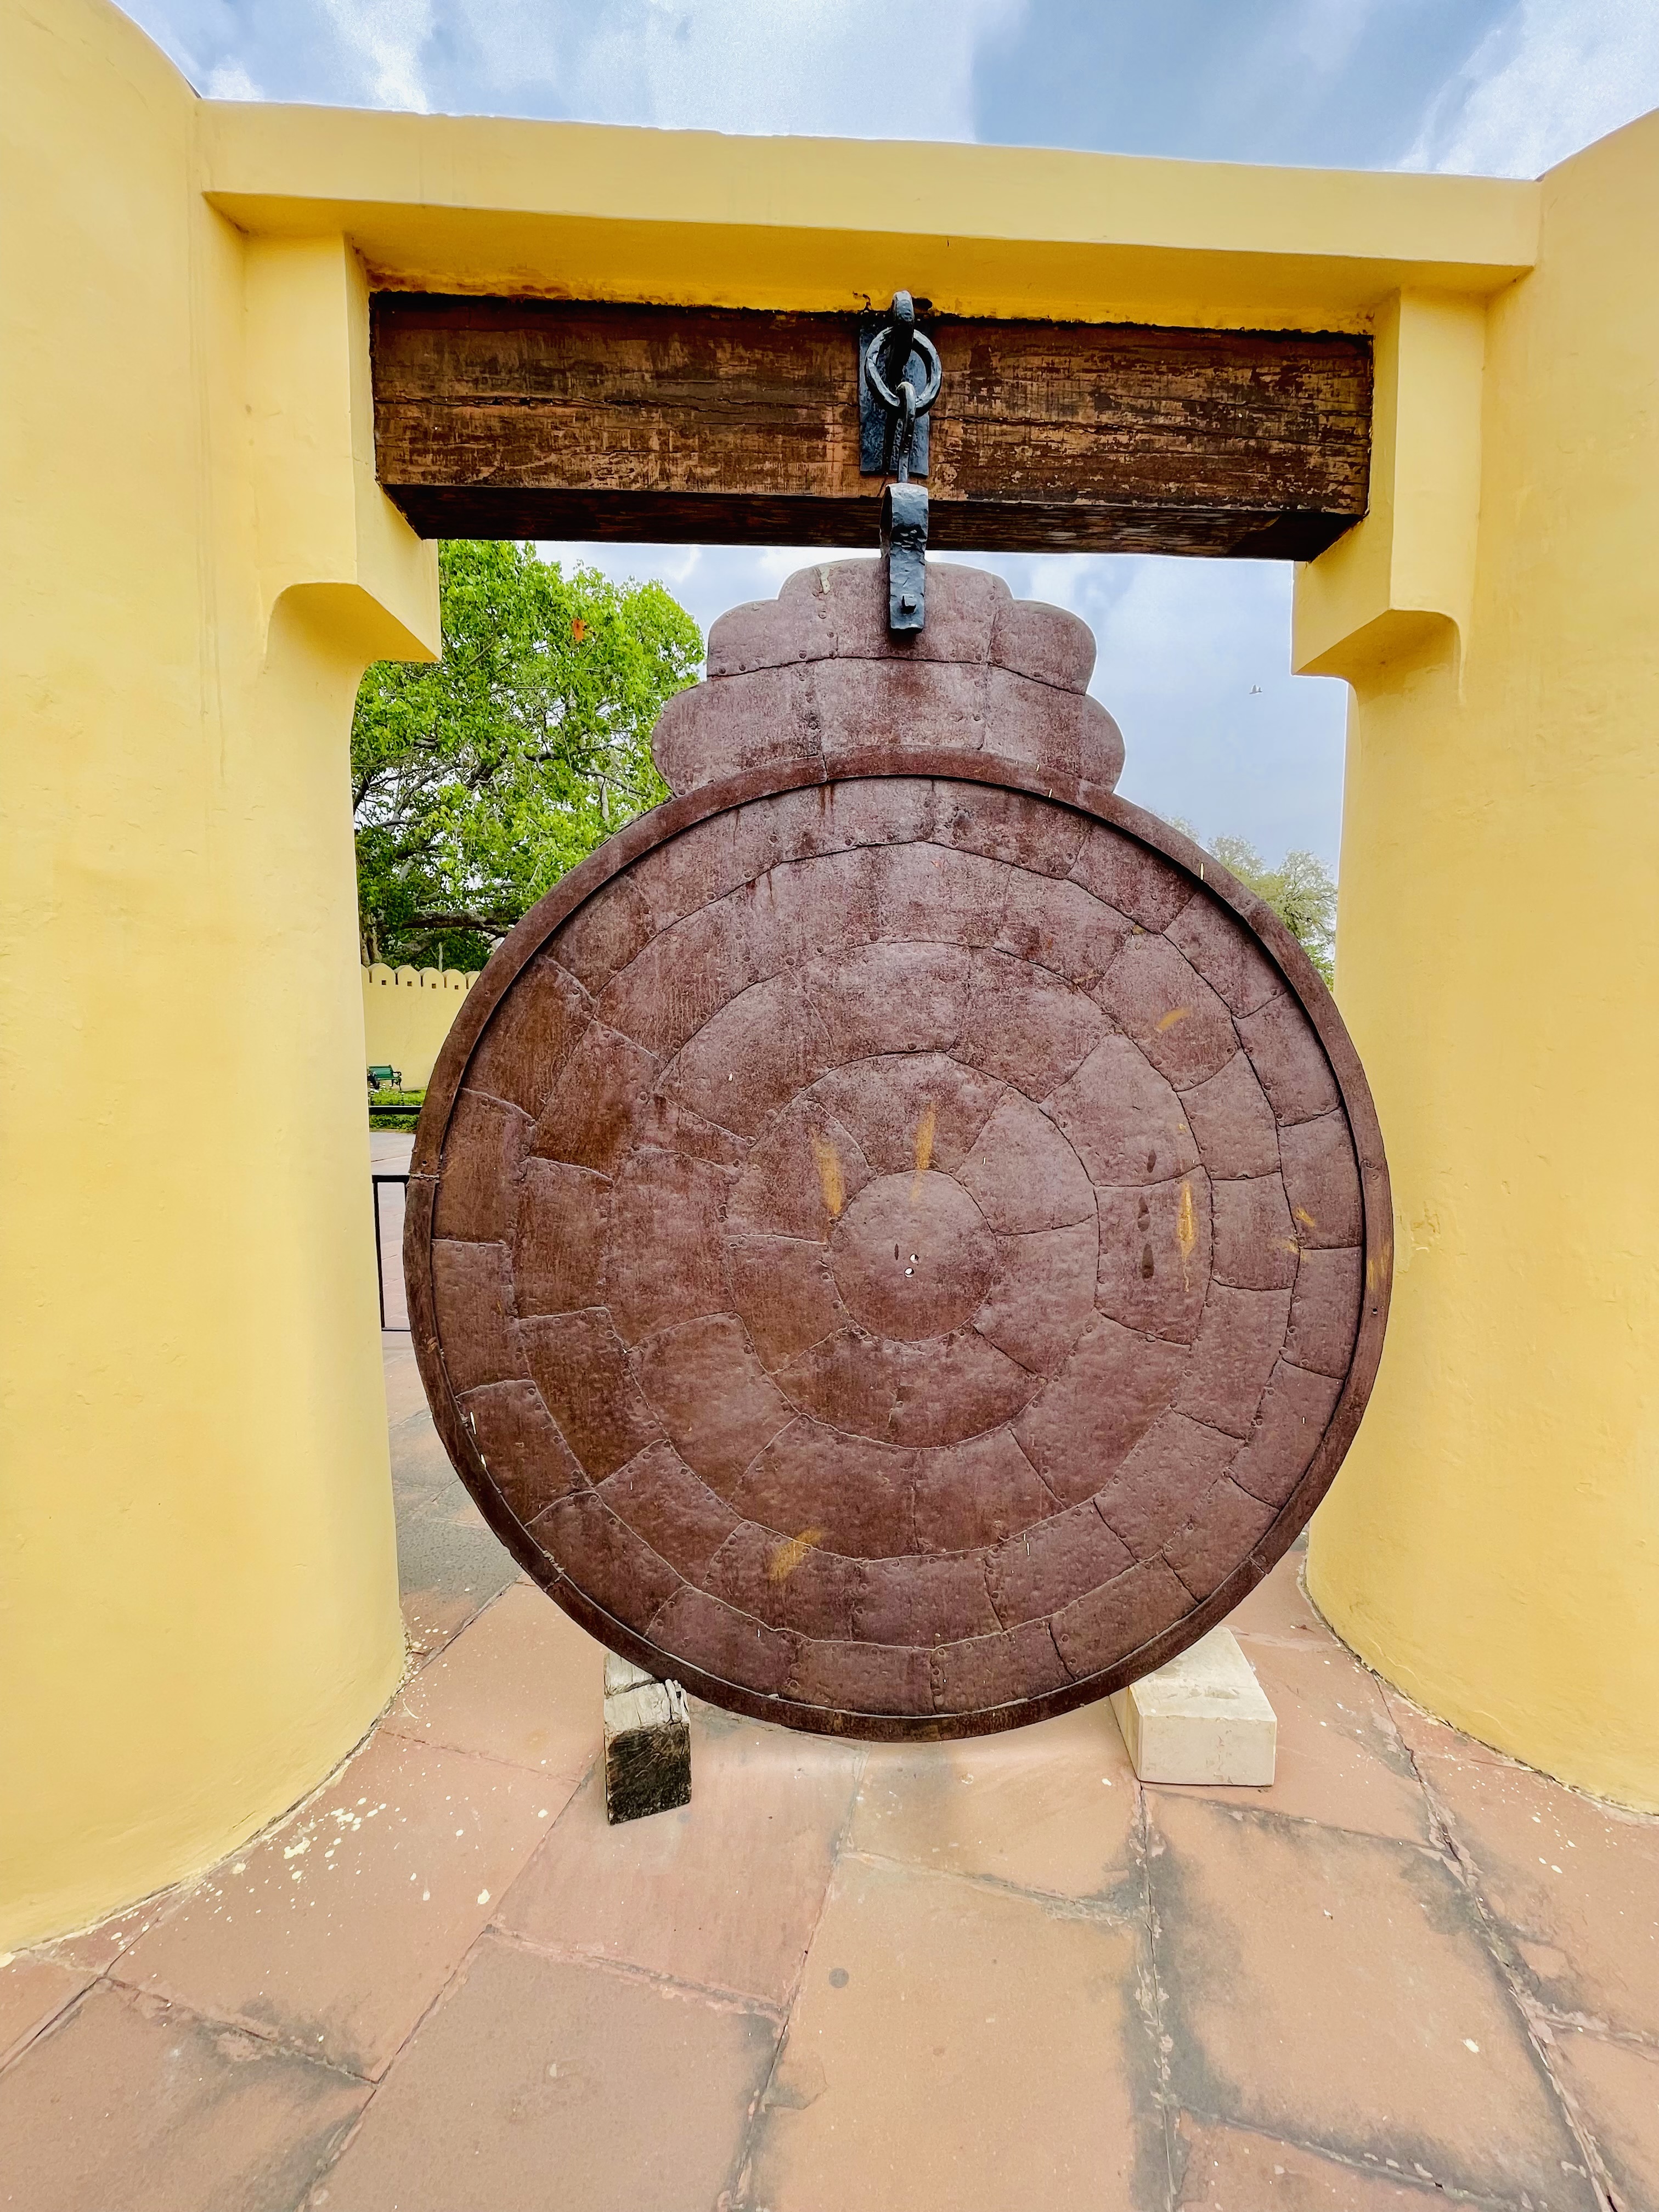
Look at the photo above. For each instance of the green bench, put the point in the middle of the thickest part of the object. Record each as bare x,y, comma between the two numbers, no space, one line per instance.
380,1078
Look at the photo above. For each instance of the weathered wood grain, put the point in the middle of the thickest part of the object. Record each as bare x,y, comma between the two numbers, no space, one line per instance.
559,419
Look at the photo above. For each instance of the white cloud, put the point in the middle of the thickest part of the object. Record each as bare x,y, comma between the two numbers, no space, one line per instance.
1195,663
845,68
230,81
1551,78
388,37
1325,32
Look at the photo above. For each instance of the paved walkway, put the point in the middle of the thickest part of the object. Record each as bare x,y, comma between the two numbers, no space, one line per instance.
996,1975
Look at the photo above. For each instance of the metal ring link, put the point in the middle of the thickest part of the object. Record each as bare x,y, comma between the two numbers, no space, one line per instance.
889,399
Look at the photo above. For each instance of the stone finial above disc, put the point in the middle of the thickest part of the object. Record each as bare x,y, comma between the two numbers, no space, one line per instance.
815,676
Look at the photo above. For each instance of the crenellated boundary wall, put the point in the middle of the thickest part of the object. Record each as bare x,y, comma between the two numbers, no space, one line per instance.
407,1012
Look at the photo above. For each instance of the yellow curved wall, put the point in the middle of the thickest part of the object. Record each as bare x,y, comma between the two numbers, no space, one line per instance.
198,1611
1492,1543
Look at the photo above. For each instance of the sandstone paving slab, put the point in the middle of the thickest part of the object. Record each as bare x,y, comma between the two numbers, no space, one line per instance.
335,1932
520,1683
956,2044
539,2085
1574,1885
422,1471
1615,2089
405,1394
1231,2170
1049,1807
723,1893
1279,1607
97,1948
450,1565
1426,1736
132,2104
1339,1760
33,1990
1335,1990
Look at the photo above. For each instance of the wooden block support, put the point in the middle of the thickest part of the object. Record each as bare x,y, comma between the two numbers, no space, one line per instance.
562,418
647,1743
1202,1719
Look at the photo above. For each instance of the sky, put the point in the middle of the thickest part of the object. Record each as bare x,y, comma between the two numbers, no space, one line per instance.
1194,658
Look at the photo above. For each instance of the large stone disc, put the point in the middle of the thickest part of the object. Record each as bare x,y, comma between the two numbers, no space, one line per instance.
896,1256
900,1244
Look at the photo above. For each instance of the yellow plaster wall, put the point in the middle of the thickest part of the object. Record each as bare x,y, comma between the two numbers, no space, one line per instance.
407,1012
1492,1543
198,1606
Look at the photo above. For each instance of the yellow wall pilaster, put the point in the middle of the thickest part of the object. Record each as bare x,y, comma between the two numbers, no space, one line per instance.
1492,1543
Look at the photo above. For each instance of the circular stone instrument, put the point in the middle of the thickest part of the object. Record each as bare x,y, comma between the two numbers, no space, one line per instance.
899,1238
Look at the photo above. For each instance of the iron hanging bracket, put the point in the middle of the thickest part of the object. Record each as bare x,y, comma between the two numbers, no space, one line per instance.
900,374
904,548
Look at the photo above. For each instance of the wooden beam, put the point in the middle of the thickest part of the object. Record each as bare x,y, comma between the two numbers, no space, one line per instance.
540,418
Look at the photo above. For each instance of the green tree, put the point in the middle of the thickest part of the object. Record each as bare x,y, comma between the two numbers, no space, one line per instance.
1301,890
478,780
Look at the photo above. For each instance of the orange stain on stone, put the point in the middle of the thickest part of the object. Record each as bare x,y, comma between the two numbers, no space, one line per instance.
827,1160
790,1553
923,1147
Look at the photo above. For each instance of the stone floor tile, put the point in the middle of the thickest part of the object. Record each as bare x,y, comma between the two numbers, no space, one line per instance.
1425,1736
539,2083
1574,1885
1231,2170
1615,2088
98,1948
724,1892
1279,1605
1335,1990
1049,1807
450,1565
405,1394
1339,1760
335,1932
957,2046
130,2105
33,1990
422,1470
521,1683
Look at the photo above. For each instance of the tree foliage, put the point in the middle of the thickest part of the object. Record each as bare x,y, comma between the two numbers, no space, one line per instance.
478,780
1301,890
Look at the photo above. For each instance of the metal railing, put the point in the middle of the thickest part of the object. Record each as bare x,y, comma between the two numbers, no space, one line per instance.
400,1327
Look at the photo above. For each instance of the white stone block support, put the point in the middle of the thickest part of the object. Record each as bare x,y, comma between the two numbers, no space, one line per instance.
647,1743
1202,1719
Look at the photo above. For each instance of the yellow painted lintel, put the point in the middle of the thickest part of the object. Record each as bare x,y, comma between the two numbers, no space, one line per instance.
590,210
